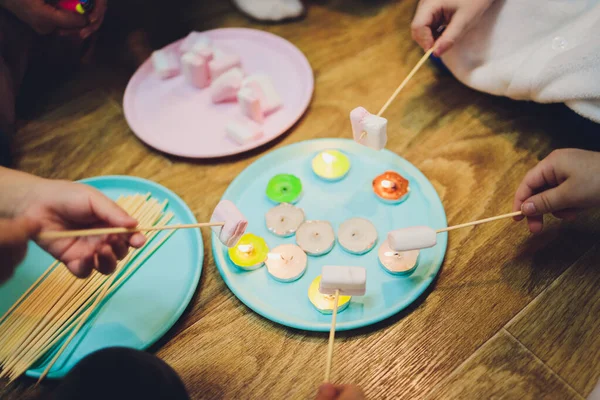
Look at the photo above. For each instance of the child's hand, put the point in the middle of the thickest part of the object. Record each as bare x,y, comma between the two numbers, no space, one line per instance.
14,235
327,391
456,15
60,205
42,17
95,18
562,183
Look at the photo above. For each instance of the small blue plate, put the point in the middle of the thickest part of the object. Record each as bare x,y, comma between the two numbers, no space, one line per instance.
148,304
287,303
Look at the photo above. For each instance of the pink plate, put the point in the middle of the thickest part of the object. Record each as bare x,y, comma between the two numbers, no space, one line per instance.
176,118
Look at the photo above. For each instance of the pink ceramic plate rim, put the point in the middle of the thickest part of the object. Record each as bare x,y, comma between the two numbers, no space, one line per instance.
301,59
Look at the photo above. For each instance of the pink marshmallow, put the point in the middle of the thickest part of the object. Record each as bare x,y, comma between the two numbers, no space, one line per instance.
244,131
194,38
235,223
226,86
195,70
203,50
374,127
250,105
165,64
263,88
222,63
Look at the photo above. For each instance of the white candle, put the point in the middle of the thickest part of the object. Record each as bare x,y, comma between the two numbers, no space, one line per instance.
397,262
357,235
284,220
316,238
286,263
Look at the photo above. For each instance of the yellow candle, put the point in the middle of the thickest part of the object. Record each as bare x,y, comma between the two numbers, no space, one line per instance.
250,252
331,165
323,302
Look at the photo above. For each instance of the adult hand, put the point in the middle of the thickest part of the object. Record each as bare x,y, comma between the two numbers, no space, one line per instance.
14,235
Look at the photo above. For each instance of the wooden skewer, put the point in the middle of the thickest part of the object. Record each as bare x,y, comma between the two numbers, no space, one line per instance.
331,337
481,221
109,231
404,82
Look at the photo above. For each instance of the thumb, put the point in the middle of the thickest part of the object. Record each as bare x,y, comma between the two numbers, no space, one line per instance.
110,212
549,201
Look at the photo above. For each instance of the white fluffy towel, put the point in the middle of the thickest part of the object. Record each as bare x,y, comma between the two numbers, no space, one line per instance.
547,51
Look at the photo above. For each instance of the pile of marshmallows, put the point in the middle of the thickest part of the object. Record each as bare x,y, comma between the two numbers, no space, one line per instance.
204,66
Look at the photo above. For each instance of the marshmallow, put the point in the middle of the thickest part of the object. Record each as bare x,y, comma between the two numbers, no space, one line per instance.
262,86
226,86
165,64
203,50
193,39
235,223
195,70
413,238
222,63
243,132
350,281
250,105
375,128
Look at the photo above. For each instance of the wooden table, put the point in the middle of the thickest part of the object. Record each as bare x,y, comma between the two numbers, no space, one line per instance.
511,316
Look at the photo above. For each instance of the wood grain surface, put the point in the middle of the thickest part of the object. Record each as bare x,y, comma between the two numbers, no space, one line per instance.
473,147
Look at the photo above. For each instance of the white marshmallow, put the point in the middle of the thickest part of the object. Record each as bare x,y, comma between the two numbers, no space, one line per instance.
194,38
413,238
203,50
375,128
350,281
195,70
243,132
262,86
250,105
235,223
165,64
226,86
222,63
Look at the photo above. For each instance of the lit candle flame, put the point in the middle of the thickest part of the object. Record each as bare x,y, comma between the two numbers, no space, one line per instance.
388,184
328,158
246,248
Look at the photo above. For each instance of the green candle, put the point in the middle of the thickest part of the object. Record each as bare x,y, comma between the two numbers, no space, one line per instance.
284,188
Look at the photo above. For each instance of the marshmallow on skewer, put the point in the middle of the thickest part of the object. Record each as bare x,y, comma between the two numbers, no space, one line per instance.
235,223
413,238
243,132
263,87
226,86
223,62
195,70
250,105
165,64
350,281
368,129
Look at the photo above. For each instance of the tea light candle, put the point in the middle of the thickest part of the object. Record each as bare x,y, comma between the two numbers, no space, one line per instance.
331,165
324,302
284,220
391,187
286,263
316,238
284,188
357,236
250,252
397,262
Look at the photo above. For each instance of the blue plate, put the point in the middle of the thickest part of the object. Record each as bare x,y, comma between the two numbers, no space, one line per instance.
148,304
287,303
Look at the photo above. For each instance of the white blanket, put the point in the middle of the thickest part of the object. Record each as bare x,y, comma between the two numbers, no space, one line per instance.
547,51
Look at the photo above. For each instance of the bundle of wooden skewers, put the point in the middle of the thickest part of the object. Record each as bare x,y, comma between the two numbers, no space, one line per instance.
42,323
